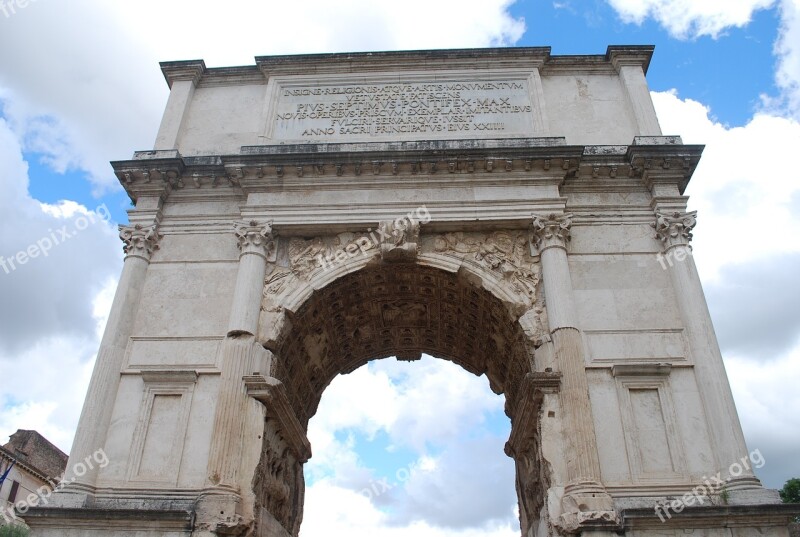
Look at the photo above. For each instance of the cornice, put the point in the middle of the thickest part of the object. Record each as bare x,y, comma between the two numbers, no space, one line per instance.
665,159
183,70
409,60
374,164
453,59
620,55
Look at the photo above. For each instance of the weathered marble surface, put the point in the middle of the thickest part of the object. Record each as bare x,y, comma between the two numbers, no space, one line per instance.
548,252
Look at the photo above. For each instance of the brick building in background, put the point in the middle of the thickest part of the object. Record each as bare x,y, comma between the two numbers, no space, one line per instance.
38,463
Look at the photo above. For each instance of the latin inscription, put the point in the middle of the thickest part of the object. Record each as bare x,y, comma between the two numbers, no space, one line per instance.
414,109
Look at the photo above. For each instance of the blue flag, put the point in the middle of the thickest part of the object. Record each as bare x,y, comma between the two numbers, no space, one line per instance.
5,474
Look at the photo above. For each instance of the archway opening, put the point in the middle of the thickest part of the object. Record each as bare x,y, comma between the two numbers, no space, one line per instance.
410,447
405,311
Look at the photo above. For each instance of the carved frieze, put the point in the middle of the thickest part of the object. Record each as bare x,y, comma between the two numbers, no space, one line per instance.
309,255
504,252
140,241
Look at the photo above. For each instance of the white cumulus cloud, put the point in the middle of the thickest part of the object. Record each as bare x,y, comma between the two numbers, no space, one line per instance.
691,18
455,475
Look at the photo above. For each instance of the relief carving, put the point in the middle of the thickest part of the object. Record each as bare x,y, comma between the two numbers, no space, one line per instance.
304,254
530,487
308,256
278,484
504,252
404,313
276,281
399,240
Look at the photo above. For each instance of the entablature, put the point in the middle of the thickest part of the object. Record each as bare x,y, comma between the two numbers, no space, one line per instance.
445,163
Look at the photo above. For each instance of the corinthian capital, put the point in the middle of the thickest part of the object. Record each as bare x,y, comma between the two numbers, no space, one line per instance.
550,231
674,229
140,241
256,238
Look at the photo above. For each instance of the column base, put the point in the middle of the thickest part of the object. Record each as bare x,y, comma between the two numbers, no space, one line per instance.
587,507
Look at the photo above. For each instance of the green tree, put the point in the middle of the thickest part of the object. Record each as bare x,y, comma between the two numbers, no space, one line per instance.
14,530
790,493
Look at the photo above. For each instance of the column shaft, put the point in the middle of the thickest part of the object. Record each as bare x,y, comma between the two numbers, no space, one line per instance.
257,246
582,463
247,294
550,236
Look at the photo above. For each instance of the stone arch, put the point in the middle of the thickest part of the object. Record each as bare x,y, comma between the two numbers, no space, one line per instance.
470,307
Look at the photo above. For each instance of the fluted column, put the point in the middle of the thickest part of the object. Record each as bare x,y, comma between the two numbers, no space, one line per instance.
139,244
674,230
584,492
257,247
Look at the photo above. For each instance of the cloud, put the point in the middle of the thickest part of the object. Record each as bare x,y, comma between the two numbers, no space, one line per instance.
787,48
469,486
53,301
754,306
688,18
455,474
744,194
338,511
80,97
98,96
685,19
769,407
747,248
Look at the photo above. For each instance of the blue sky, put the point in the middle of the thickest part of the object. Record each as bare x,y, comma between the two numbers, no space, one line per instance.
726,73
703,68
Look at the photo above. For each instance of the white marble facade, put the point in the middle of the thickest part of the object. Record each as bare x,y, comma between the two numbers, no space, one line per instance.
518,213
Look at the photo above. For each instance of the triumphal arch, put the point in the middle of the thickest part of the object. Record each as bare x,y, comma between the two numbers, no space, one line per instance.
518,213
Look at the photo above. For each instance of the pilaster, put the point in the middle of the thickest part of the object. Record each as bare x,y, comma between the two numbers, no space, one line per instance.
631,64
182,78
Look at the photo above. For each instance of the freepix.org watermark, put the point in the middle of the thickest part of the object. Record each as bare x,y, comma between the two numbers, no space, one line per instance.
9,8
373,239
41,496
55,238
380,487
711,485
672,256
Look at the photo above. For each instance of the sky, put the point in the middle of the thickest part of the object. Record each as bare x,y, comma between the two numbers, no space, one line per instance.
80,86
